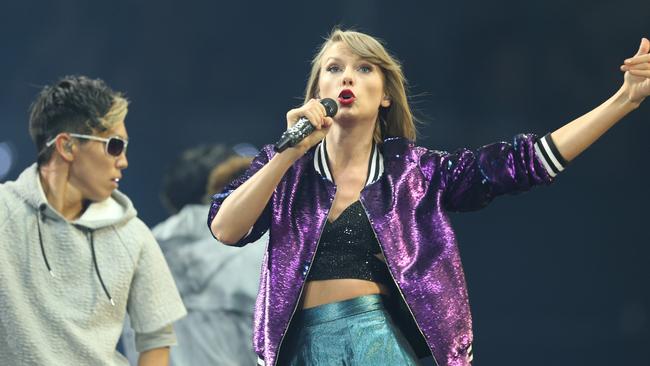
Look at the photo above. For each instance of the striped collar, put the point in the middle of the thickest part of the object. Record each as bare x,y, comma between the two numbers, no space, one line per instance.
375,163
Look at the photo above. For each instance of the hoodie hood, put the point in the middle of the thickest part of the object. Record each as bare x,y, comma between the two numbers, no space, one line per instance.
209,275
114,210
188,225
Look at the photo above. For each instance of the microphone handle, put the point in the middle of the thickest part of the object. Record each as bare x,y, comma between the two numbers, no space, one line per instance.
294,135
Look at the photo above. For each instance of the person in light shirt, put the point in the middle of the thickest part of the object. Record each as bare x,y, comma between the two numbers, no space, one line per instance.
75,257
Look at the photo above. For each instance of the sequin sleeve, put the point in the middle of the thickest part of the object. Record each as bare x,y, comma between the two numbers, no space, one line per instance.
263,221
471,179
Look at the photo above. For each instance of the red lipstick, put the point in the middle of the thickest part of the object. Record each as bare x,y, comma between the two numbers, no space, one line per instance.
346,97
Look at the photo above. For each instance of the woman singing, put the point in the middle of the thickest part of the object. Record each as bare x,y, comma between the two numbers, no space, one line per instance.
362,266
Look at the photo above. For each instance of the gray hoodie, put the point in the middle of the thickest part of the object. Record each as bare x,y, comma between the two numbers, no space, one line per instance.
59,279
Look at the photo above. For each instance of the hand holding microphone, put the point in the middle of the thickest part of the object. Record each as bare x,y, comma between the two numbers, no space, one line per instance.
310,115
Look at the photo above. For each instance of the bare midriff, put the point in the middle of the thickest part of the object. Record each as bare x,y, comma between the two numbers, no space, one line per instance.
328,291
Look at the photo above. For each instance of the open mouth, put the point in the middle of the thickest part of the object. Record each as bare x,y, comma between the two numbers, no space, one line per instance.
346,97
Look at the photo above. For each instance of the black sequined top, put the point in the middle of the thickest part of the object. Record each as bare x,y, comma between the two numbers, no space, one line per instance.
347,249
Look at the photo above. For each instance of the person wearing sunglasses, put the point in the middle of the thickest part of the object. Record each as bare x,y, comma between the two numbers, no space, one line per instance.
75,257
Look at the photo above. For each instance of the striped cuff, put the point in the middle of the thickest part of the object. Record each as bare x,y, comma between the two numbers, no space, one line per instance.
549,155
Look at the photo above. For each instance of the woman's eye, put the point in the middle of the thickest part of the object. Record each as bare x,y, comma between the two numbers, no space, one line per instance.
365,68
333,68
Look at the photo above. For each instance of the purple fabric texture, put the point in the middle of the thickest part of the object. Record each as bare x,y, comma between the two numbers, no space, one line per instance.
407,210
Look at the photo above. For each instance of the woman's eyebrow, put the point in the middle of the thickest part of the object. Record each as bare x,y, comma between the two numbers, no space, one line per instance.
333,59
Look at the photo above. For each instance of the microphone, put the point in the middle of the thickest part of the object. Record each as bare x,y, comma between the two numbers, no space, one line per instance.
303,127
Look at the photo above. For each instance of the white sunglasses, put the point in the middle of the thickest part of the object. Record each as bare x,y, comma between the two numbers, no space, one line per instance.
113,145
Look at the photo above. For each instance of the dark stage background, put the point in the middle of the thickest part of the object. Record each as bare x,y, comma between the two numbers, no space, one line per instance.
558,276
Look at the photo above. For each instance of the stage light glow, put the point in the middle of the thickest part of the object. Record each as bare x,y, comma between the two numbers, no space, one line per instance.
6,159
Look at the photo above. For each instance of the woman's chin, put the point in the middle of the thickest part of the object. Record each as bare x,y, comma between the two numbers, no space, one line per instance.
352,120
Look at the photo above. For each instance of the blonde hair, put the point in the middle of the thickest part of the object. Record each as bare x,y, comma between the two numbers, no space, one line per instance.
117,112
398,120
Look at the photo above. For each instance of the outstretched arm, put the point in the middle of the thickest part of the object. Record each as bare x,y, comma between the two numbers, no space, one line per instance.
574,137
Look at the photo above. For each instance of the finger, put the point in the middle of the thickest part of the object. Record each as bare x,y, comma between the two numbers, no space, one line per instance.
313,118
637,59
292,117
327,122
312,103
644,47
321,107
643,66
644,73
323,131
307,106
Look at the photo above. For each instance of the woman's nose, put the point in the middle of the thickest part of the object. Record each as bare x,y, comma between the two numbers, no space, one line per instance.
348,80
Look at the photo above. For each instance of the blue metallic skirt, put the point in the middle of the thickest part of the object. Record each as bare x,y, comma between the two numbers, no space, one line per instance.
358,331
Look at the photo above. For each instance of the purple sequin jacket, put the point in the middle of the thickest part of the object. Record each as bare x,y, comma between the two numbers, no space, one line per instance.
406,206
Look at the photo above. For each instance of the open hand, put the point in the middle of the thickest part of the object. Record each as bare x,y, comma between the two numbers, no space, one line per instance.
637,73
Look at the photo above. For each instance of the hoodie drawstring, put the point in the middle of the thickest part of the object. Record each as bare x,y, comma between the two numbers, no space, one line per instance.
89,234
40,217
92,246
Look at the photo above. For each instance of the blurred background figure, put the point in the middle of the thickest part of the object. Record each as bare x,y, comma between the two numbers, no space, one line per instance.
217,283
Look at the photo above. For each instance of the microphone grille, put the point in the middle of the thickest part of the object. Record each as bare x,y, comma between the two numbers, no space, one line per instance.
330,106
